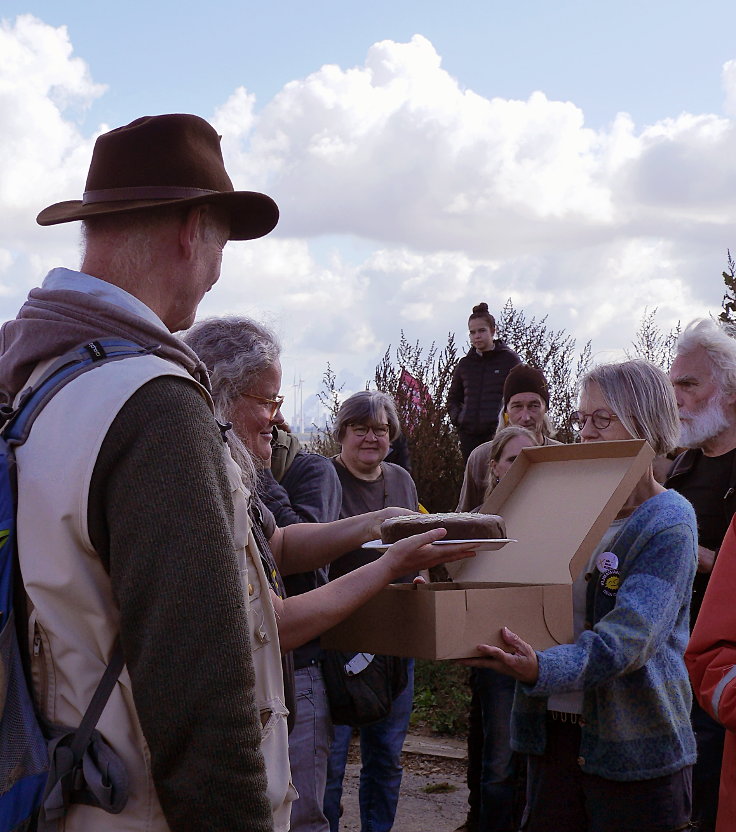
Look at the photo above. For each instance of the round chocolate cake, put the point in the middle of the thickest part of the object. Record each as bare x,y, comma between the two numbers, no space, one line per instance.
459,525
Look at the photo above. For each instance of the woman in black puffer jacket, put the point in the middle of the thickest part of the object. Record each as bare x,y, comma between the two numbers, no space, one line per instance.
476,392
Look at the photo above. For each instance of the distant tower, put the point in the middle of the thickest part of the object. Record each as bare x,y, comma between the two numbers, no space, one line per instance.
298,387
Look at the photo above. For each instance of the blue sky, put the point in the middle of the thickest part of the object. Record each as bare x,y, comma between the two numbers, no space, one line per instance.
574,156
652,59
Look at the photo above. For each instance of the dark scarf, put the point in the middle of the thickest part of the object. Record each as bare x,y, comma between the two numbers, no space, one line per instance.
53,321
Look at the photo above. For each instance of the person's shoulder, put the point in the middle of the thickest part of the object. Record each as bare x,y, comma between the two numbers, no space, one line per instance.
314,463
684,463
302,457
480,455
161,390
663,529
395,472
165,410
666,509
505,350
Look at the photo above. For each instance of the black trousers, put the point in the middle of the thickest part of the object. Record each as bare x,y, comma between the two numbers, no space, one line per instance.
560,796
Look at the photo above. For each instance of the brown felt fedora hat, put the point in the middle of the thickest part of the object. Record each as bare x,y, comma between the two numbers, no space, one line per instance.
164,160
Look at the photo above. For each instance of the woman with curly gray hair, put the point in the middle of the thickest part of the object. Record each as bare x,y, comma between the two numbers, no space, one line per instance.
243,360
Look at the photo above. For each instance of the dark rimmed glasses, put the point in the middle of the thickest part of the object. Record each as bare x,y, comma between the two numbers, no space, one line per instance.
379,431
601,419
275,404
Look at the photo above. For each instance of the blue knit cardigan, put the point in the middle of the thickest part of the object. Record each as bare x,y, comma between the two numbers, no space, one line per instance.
629,661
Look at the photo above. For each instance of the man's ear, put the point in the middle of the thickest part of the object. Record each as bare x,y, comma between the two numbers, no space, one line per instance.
189,230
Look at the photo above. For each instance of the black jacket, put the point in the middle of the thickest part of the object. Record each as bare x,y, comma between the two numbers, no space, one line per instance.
308,491
476,391
684,464
679,479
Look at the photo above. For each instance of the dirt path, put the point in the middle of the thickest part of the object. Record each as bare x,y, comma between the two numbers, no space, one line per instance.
433,792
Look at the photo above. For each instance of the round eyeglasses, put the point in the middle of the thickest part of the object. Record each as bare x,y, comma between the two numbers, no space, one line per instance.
275,404
601,419
362,430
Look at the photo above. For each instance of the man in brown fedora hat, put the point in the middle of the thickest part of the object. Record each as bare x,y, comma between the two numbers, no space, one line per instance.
130,513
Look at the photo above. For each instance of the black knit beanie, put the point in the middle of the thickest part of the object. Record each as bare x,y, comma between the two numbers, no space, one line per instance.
525,379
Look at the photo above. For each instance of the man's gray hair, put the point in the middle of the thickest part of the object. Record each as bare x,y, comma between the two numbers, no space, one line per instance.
642,397
364,408
129,237
235,350
720,345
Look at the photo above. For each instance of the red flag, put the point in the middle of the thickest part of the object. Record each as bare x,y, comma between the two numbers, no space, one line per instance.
418,396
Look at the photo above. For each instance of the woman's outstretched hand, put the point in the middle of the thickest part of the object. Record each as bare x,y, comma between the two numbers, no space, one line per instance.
416,553
519,660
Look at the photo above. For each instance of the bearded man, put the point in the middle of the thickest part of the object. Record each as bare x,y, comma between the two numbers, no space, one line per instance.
704,377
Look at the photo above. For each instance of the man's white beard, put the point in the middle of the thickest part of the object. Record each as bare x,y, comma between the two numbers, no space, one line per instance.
697,429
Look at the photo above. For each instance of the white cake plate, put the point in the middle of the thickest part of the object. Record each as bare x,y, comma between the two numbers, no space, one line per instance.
484,545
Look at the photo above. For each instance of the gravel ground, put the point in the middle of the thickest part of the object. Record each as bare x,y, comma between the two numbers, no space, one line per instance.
433,794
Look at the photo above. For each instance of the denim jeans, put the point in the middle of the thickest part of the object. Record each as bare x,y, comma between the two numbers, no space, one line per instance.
380,773
309,748
500,791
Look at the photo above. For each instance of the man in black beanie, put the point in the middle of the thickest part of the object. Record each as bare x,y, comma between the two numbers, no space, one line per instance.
525,403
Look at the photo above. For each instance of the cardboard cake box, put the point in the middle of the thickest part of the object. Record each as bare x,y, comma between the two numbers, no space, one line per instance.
557,501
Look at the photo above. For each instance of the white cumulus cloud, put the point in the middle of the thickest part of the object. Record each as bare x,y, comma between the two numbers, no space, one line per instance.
406,198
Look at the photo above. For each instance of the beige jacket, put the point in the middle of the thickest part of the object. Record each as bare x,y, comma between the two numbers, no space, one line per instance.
475,479
266,659
74,621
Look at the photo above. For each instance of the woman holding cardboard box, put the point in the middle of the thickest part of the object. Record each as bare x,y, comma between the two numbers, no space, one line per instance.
605,722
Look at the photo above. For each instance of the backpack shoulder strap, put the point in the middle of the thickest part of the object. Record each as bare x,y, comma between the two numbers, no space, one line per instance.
19,420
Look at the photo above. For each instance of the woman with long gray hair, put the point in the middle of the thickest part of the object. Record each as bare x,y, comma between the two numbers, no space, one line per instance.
243,360
605,722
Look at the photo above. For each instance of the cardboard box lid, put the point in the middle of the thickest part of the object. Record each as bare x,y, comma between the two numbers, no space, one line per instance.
557,501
